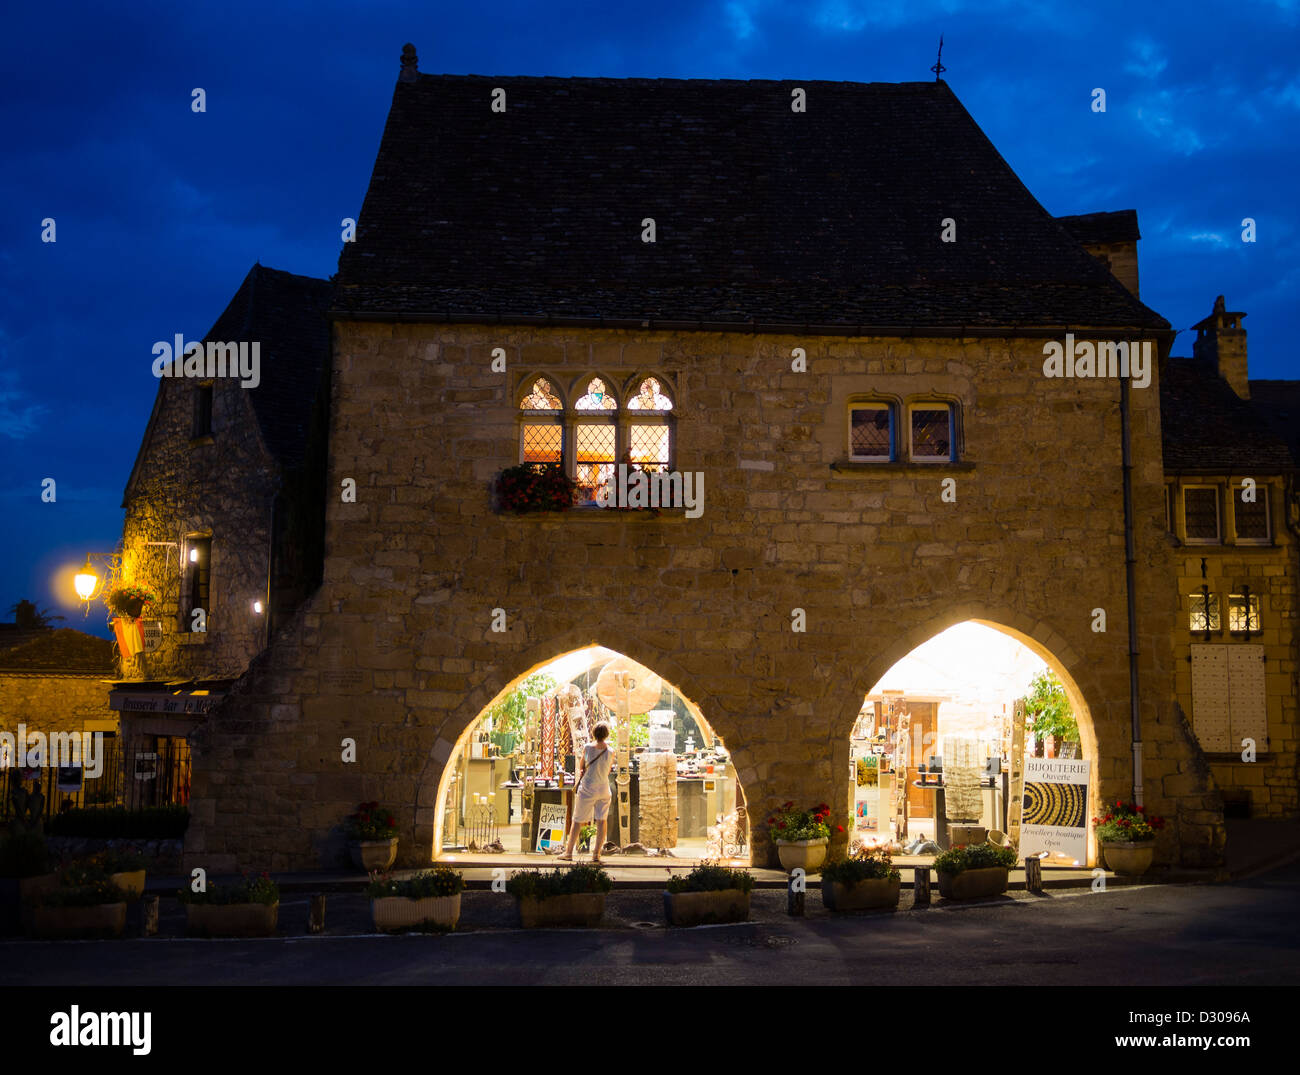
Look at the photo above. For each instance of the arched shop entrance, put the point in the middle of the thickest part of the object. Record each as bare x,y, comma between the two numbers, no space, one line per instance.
507,793
942,737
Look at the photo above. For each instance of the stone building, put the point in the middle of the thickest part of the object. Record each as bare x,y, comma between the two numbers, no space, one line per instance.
833,302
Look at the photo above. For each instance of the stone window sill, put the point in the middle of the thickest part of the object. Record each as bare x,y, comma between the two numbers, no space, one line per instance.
847,468
599,515
191,638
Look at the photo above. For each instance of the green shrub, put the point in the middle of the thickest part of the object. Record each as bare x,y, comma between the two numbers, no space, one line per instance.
249,889
974,857
571,882
83,895
440,881
23,854
708,877
151,823
873,865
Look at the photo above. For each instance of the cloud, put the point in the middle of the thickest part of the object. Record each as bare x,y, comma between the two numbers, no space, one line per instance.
1148,61
19,416
1157,113
740,15
1212,237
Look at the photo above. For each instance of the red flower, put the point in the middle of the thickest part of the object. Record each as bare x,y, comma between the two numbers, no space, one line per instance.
780,824
788,805
771,821
1141,809
390,822
839,828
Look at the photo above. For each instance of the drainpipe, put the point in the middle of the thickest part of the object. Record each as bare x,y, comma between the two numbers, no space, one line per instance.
1130,571
270,564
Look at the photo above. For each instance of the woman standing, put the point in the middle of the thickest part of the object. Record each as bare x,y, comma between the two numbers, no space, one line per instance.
592,796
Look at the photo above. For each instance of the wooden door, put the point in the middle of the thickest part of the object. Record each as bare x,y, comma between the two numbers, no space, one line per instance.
924,742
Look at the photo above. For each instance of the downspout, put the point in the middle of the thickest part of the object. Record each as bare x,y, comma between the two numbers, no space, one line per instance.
1130,572
270,564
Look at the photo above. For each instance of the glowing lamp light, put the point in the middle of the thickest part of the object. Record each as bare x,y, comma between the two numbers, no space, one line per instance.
194,554
85,581
257,607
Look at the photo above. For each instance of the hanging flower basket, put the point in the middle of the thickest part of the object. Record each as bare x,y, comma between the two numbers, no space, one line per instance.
130,601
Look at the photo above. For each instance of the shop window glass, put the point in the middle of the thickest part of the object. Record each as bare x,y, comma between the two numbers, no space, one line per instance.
1251,519
597,398
595,447
649,396
871,432
1200,620
1201,514
1240,617
931,432
650,445
541,397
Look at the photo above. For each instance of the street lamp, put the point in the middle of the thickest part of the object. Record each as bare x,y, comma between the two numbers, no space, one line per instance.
86,581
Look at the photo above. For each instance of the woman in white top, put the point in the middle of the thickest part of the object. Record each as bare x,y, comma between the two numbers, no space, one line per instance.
592,797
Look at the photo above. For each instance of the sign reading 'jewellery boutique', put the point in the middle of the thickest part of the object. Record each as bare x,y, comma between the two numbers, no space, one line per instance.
1056,808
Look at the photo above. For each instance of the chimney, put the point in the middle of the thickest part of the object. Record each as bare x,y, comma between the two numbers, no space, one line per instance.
1221,339
410,64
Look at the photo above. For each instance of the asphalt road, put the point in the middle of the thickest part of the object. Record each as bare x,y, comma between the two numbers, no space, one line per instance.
1243,933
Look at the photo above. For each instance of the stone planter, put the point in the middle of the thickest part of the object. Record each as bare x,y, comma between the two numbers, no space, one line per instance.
579,909
231,919
10,905
370,855
29,893
401,912
974,884
705,908
1129,858
131,882
806,855
867,895
98,920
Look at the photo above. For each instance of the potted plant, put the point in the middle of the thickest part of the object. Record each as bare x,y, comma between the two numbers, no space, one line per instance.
584,837
129,601
24,874
249,908
535,487
972,871
709,893
430,898
1048,708
572,897
801,836
866,881
1127,835
372,837
85,904
126,868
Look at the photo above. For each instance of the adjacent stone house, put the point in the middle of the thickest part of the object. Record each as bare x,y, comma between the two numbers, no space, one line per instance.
832,301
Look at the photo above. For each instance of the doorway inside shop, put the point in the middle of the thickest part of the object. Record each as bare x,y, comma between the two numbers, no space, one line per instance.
938,751
507,795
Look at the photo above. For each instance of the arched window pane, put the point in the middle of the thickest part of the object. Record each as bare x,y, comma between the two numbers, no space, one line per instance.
541,398
598,398
649,397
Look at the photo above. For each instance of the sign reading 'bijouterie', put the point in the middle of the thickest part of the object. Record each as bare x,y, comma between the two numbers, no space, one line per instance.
1056,808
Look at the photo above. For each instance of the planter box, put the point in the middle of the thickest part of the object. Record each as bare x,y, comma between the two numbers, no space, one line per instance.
867,895
98,920
369,855
29,893
231,919
974,884
131,882
806,855
401,912
581,909
705,908
1129,858
10,905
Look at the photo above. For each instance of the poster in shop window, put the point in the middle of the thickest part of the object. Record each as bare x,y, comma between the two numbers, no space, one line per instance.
550,826
1055,816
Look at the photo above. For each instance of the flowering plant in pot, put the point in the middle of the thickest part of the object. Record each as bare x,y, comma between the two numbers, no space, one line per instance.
710,893
85,904
372,837
969,871
801,836
1127,836
535,487
862,882
249,908
573,897
129,601
429,899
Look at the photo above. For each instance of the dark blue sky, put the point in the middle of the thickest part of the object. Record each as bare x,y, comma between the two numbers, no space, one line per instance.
160,211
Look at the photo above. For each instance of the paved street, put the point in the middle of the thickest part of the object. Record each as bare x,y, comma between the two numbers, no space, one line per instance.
1241,933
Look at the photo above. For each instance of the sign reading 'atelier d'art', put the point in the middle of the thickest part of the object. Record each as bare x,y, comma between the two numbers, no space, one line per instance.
1055,816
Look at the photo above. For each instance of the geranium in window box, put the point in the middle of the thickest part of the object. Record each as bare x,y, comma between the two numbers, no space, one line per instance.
535,487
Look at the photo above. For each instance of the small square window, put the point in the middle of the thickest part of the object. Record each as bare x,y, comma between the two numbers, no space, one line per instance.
871,432
1240,618
1251,517
1201,514
1198,620
931,433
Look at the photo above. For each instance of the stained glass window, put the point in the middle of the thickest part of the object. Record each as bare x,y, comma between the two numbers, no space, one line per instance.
598,397
650,397
541,398
541,442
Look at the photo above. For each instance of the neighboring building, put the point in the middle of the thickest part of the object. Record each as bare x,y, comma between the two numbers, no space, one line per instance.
920,471
1112,239
224,506
1231,455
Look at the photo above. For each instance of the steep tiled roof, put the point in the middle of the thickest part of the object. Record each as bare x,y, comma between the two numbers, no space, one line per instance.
1120,226
287,314
1208,427
11,634
60,650
764,216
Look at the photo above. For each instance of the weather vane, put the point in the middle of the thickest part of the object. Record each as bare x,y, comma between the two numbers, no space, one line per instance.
938,67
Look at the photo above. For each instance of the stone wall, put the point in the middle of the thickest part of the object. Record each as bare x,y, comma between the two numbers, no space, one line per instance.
52,703
396,650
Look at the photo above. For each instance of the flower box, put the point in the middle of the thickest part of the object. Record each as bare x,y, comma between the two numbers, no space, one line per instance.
706,908
371,855
1128,858
974,884
867,895
806,855
231,919
97,920
29,895
401,912
584,909
131,882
